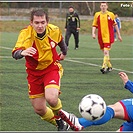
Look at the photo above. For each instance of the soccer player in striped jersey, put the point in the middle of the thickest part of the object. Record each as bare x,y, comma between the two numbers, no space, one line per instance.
122,109
104,21
37,43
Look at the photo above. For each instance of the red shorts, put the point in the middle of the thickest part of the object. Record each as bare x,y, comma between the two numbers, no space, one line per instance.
105,45
39,80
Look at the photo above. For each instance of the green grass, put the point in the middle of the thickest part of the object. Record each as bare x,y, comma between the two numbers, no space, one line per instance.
80,78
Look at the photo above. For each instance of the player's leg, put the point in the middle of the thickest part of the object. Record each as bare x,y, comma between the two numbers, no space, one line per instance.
52,91
38,98
125,112
39,105
105,52
71,119
109,114
67,36
106,60
124,109
107,46
119,110
38,101
126,126
51,95
80,123
76,38
115,110
52,81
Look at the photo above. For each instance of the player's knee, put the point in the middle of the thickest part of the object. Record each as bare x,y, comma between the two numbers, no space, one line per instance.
52,101
118,110
40,110
106,53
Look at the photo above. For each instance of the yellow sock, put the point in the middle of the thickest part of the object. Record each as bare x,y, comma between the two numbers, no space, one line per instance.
109,63
49,117
105,62
57,107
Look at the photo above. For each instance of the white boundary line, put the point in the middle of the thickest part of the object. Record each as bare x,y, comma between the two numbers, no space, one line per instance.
80,62
99,58
81,58
5,57
90,64
5,48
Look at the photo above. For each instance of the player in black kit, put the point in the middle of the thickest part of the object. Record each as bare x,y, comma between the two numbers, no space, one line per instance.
72,26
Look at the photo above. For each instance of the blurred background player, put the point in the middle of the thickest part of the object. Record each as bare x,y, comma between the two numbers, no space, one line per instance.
37,43
122,109
118,21
72,26
104,21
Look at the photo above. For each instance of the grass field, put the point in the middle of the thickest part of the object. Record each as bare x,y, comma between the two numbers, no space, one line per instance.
82,76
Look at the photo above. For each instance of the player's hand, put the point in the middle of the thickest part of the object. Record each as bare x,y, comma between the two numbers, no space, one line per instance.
120,38
28,52
124,77
62,57
94,36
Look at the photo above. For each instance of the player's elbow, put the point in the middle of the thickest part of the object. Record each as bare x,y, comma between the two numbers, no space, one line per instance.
17,54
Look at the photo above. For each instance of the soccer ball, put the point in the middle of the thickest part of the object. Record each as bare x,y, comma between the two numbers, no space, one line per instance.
92,107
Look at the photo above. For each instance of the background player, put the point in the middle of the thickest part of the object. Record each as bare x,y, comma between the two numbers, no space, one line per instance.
72,26
118,21
104,21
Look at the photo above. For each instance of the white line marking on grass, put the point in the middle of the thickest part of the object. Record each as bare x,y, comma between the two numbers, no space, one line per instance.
90,64
5,57
5,47
99,58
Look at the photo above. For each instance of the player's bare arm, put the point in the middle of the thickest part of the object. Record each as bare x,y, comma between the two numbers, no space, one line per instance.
93,32
124,77
118,33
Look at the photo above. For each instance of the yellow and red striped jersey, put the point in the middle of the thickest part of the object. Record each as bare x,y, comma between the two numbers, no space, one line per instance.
105,22
46,46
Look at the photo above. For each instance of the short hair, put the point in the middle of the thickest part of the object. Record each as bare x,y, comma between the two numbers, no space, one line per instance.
71,6
38,12
104,2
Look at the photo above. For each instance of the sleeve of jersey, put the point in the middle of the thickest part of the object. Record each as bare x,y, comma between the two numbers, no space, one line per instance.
78,20
94,24
22,43
63,47
24,40
19,44
16,52
113,18
129,86
59,34
66,20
